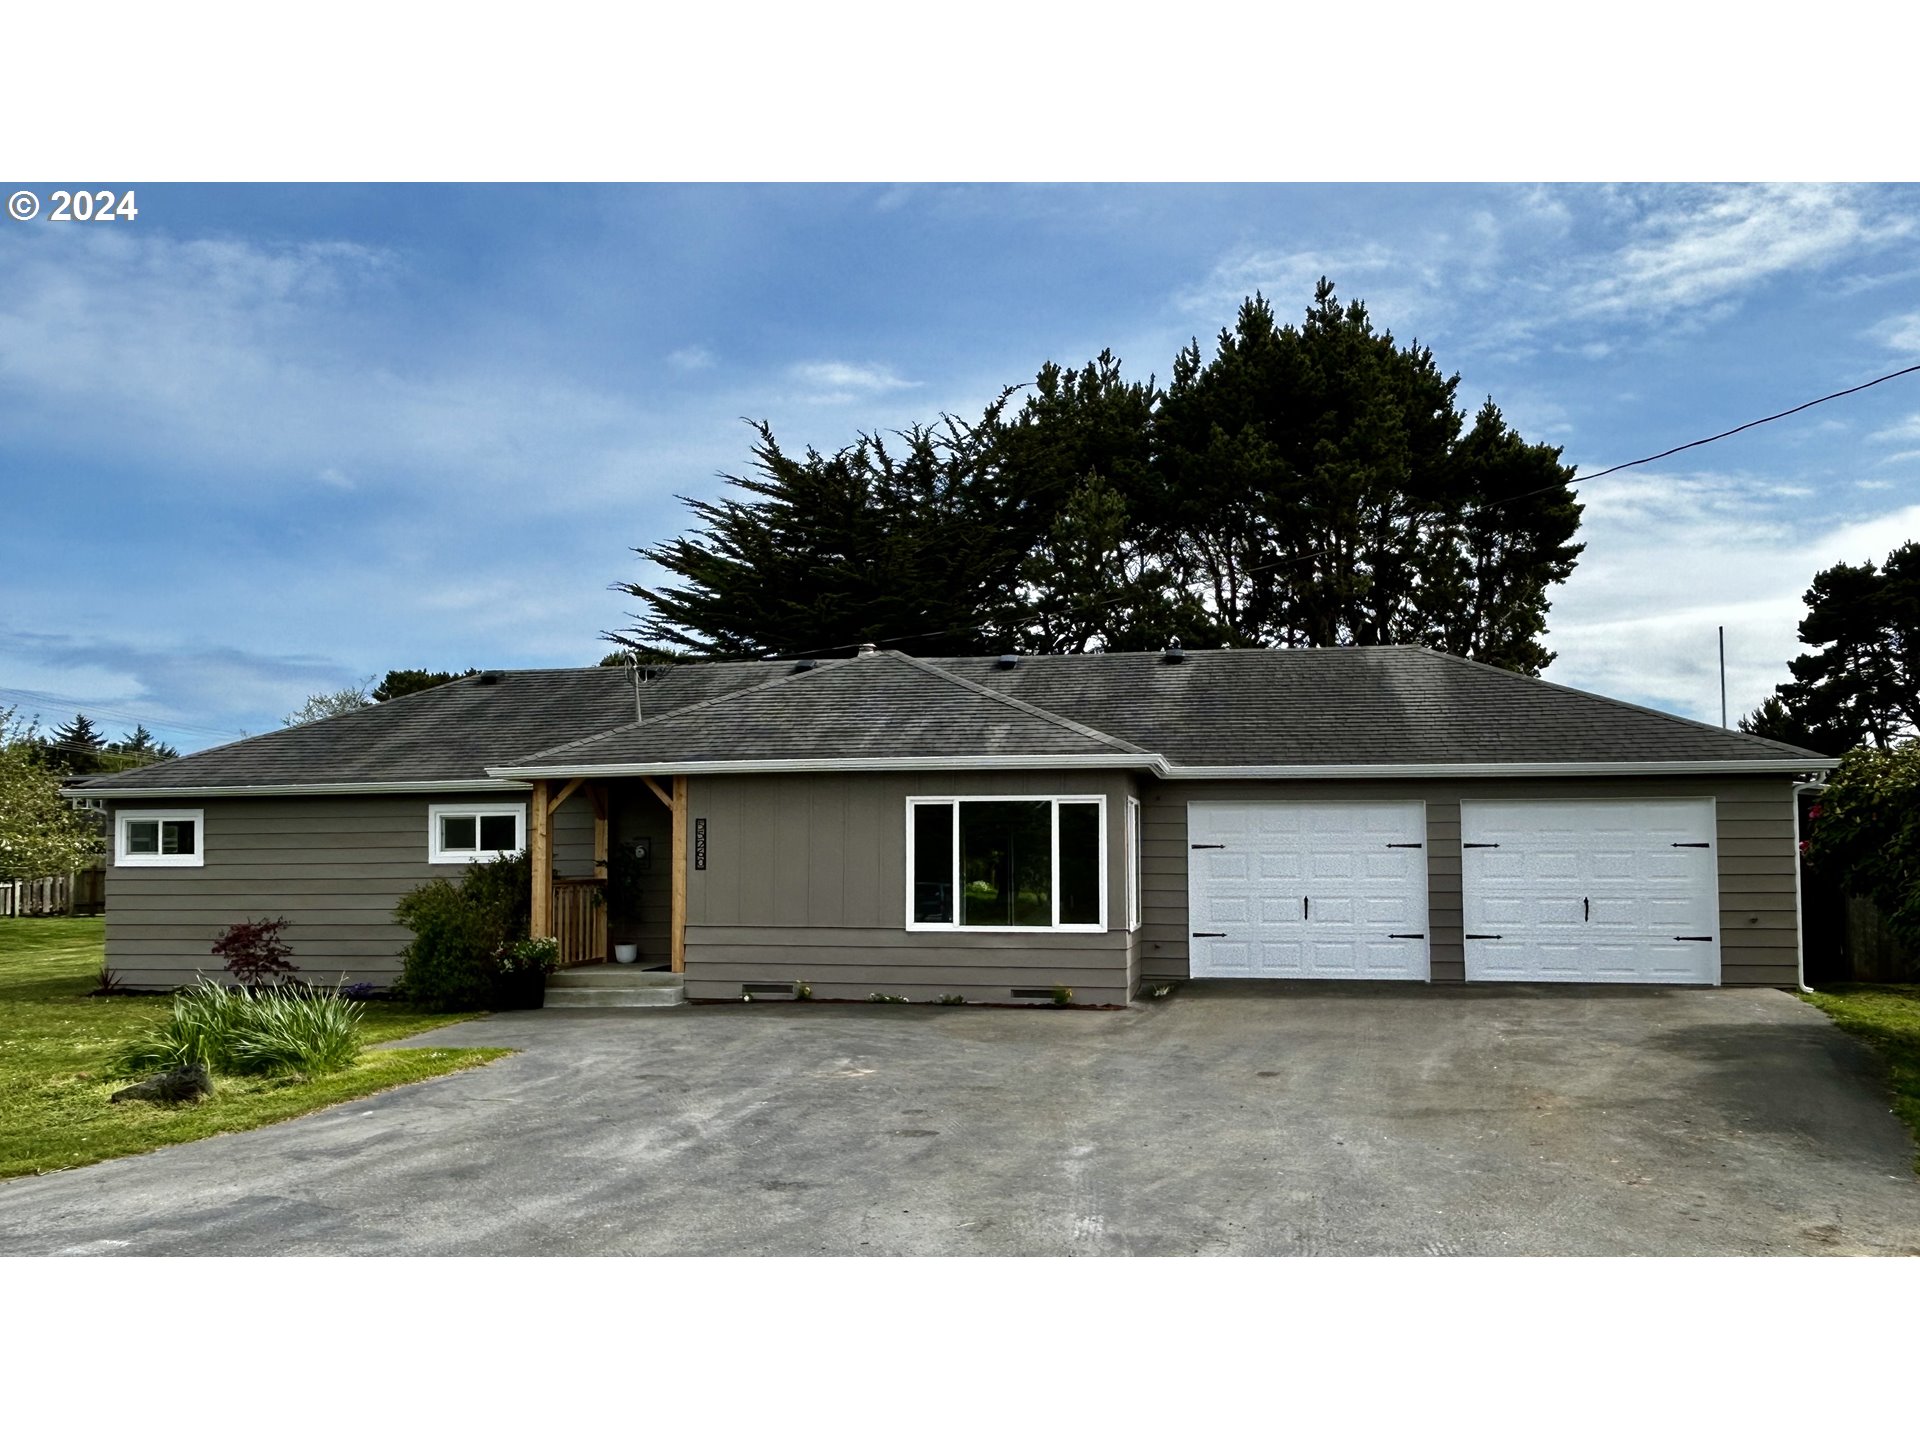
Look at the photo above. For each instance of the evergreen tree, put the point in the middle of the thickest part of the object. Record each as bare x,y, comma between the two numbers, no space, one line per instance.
76,747
412,682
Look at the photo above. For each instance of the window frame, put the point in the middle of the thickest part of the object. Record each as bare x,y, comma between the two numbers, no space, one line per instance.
123,818
1054,802
1133,854
438,856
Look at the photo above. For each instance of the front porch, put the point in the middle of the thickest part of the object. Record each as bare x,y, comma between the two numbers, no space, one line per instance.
574,825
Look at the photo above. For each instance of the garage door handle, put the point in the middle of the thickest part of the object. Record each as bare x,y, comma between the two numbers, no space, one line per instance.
1406,937
1305,907
1480,845
1209,847
1483,937
1586,907
1404,845
1692,845
1209,935
1693,937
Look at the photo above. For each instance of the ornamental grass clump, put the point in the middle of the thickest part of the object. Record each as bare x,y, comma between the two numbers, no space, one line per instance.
269,1031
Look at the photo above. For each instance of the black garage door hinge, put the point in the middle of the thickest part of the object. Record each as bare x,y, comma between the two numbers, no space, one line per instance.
1479,844
1481,937
1404,845
1406,937
1693,937
1208,847
1209,935
1692,845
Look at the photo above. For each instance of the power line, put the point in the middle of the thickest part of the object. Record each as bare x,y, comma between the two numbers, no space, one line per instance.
42,697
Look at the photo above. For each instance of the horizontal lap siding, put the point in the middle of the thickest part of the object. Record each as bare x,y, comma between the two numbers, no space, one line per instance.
334,866
806,881
1758,942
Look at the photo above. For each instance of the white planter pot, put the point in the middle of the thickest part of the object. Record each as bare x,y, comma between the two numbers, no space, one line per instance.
626,954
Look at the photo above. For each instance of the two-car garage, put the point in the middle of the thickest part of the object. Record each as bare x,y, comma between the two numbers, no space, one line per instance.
1613,890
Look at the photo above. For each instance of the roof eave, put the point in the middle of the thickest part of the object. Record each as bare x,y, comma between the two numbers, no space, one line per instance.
829,764
324,787
1785,765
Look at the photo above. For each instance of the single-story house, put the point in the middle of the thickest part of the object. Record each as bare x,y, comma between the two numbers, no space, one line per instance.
997,828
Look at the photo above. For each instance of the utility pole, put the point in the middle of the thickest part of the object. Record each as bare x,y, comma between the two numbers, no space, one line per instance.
1723,677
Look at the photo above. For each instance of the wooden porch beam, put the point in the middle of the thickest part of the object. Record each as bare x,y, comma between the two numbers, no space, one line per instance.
597,795
654,785
681,862
540,858
565,794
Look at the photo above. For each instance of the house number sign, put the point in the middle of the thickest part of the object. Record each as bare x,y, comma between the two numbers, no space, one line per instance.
699,844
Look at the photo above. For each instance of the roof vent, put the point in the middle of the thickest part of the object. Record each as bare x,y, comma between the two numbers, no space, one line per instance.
1007,662
867,647
802,665
487,677
1173,654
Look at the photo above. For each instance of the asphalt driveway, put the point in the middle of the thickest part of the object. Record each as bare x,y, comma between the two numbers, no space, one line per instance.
1229,1119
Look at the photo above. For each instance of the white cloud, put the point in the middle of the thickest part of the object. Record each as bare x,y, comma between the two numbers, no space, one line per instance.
691,357
1902,333
1907,429
1668,559
839,375
1702,247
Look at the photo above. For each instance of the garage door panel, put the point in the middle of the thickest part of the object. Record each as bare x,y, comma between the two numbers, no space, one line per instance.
1590,890
1359,867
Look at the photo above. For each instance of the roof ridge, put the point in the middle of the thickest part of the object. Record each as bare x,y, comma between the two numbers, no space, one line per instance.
1086,732
641,724
1742,735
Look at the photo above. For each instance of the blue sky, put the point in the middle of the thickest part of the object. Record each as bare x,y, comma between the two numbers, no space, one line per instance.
268,440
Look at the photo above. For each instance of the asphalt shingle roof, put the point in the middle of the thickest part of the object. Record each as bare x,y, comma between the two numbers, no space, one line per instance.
1397,705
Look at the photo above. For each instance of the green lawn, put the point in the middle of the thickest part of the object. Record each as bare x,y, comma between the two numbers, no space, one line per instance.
56,1041
1888,1018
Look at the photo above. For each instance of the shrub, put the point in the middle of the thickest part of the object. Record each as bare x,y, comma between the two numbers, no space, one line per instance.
460,931
1866,832
254,951
951,1000
267,1031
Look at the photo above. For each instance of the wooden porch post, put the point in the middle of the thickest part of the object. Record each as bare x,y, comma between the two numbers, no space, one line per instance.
540,857
598,795
681,863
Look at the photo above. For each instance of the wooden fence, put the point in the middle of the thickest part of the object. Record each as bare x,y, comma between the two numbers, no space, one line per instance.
82,893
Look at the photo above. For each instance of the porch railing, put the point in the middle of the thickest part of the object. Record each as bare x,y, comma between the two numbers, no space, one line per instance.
579,921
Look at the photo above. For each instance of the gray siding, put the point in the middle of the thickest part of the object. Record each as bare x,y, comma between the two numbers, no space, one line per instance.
335,866
806,880
1755,851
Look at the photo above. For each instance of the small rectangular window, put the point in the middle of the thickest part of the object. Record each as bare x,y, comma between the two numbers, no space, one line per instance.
1133,863
158,837
461,834
1079,864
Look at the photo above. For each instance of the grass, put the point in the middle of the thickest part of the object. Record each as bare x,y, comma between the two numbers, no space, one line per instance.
58,1043
1888,1018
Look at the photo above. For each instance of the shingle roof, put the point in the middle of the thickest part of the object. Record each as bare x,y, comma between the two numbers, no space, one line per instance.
1389,704
452,732
1401,706
883,707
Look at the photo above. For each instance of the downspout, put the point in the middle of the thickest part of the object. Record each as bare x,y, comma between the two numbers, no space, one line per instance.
1800,787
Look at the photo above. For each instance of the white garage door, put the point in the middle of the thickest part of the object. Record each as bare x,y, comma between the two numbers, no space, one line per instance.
1591,890
1297,892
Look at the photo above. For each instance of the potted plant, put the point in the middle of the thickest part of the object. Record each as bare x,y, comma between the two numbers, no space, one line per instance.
522,971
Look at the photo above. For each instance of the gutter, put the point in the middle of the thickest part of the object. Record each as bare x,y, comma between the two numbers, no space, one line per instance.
1799,920
338,787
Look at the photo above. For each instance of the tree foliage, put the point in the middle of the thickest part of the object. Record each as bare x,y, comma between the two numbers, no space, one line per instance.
412,682
1311,483
40,832
1861,683
329,703
1866,832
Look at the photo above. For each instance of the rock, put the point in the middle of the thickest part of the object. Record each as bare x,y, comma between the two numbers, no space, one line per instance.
172,1087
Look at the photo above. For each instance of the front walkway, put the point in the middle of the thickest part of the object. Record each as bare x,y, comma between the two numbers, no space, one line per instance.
1229,1120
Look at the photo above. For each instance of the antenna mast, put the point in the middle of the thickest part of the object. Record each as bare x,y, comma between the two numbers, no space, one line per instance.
1723,677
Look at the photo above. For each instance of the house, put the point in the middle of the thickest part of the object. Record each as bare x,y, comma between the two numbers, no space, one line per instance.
997,828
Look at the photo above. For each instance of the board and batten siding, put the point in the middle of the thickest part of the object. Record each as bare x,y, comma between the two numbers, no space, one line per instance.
1755,851
806,880
334,866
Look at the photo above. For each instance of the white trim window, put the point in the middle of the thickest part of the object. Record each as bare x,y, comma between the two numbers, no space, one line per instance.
462,834
1133,863
1007,862
159,837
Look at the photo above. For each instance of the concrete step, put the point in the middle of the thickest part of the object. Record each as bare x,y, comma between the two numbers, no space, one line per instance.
613,986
